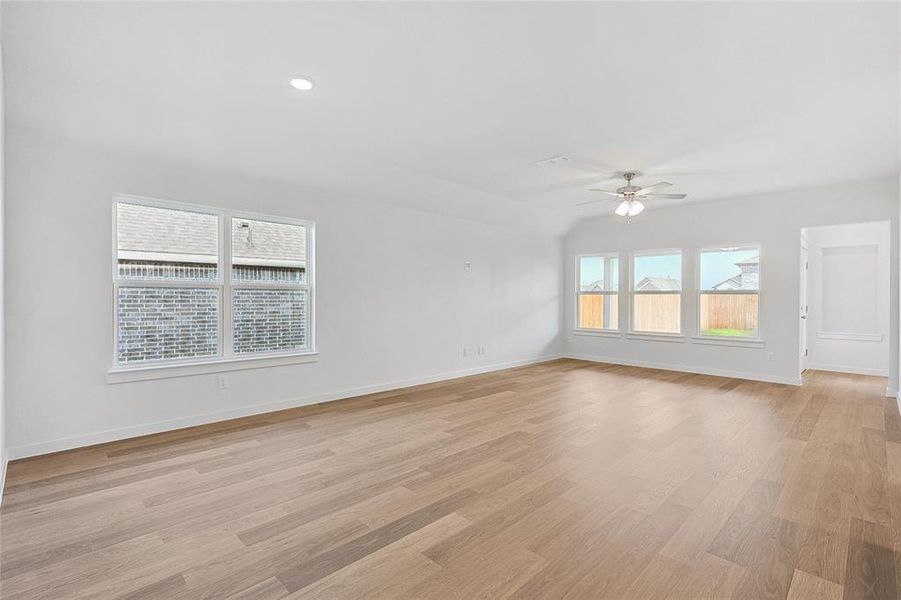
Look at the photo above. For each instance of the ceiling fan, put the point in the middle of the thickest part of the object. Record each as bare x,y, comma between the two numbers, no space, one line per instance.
632,196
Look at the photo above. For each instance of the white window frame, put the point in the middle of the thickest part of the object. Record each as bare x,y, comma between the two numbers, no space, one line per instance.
744,340
225,359
580,293
651,335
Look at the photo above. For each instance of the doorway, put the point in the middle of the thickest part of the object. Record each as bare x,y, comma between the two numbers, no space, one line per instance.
844,300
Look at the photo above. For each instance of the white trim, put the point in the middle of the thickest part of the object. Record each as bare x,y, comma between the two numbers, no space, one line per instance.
144,372
847,369
856,337
165,256
111,435
4,460
207,259
655,337
657,252
225,357
688,369
890,393
226,312
646,335
580,293
611,333
738,342
701,291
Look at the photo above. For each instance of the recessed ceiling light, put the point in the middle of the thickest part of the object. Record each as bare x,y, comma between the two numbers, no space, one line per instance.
300,83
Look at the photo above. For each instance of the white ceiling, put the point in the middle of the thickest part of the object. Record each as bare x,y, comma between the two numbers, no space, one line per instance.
447,107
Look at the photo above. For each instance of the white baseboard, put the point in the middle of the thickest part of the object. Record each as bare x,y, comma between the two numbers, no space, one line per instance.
687,369
890,393
852,370
111,435
3,461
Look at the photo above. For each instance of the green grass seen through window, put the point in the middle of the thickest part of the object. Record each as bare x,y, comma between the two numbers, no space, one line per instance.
730,332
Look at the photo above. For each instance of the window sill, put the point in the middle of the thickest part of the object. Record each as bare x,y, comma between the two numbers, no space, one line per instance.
147,372
655,337
611,333
724,341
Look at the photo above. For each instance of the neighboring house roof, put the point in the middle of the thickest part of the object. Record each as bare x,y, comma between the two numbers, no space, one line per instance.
595,286
161,234
662,284
737,282
270,242
733,283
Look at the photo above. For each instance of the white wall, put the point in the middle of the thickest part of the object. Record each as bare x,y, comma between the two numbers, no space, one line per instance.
848,295
3,452
897,248
772,220
394,304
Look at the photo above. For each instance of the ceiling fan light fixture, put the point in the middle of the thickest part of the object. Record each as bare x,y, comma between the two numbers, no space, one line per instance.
635,207
301,83
631,204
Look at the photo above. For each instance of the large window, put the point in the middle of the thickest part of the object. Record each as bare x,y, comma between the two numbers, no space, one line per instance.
730,292
194,284
598,278
657,291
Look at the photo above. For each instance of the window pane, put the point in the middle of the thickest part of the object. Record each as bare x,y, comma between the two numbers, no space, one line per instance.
658,272
730,269
732,315
598,274
167,323
598,311
263,251
163,243
269,320
658,313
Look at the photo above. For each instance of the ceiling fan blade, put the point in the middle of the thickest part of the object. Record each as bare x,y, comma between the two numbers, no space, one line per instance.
593,201
663,196
617,194
656,186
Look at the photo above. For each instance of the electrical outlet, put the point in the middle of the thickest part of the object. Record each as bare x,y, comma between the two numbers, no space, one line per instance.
222,382
481,350
466,352
467,266
771,356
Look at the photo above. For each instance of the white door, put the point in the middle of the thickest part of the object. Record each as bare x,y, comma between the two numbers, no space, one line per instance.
803,312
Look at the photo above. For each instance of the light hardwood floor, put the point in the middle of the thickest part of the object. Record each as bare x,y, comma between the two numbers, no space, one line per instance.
560,480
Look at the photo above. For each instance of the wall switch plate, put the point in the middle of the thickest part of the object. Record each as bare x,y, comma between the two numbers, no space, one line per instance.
481,350
466,352
771,356
222,382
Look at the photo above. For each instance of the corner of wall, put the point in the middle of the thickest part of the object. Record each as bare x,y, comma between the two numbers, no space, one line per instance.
4,460
3,451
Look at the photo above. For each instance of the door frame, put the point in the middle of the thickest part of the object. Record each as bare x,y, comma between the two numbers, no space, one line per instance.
804,308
